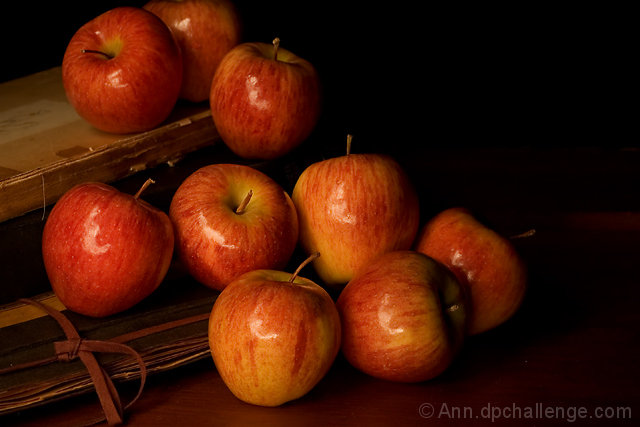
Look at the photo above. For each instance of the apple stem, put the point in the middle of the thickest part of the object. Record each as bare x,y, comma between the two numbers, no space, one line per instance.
243,205
98,52
301,266
453,307
147,183
527,233
349,138
276,45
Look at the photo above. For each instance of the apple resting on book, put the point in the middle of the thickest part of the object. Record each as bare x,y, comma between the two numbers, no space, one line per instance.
273,336
104,251
230,219
122,71
205,30
265,100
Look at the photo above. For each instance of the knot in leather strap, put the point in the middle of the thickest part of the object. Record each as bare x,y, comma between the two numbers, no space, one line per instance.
68,350
75,347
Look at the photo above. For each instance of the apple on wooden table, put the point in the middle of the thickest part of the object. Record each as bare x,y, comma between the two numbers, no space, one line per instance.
483,261
403,317
273,335
205,30
122,71
352,209
264,99
104,250
230,219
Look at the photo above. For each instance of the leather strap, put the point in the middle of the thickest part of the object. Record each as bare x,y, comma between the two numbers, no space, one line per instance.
76,347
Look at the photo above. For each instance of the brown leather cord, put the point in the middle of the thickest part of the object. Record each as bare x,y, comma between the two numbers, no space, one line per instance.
77,347
159,328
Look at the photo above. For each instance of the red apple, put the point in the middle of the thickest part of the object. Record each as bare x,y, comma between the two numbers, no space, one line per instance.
484,261
264,100
403,317
122,71
205,30
273,336
104,251
352,209
230,219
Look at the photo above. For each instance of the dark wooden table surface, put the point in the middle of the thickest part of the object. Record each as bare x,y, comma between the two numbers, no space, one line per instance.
569,356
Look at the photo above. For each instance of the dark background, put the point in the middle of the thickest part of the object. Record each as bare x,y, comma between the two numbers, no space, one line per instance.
400,74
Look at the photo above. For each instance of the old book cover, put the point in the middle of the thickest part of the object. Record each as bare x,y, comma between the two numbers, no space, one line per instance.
46,147
168,329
